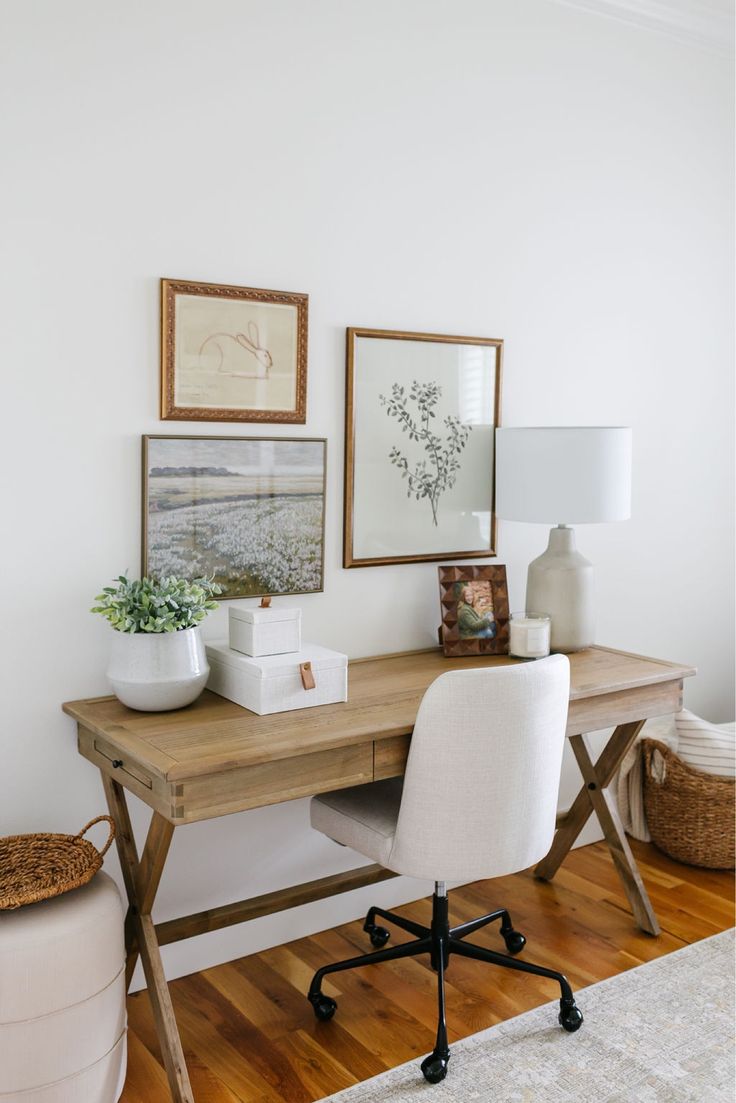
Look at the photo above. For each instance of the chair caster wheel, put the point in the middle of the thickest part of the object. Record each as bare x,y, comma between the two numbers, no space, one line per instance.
515,942
570,1017
324,1006
434,1068
379,936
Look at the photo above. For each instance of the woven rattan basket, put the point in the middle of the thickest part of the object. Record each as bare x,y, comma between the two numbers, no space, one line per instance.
690,814
36,867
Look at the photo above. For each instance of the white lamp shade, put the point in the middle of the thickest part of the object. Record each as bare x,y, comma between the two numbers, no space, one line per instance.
563,476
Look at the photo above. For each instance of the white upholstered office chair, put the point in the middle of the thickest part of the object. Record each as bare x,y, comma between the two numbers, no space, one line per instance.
478,800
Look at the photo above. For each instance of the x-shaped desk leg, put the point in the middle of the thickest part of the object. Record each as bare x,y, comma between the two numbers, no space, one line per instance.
142,877
594,797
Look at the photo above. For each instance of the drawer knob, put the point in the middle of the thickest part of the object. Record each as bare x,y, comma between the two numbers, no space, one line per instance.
117,763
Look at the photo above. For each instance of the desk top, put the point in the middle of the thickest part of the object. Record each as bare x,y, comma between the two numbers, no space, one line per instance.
214,735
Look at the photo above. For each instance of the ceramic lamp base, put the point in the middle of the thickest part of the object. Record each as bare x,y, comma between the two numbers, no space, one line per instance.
560,582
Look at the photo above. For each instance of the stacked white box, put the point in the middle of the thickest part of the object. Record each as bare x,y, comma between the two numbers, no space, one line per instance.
275,630
278,683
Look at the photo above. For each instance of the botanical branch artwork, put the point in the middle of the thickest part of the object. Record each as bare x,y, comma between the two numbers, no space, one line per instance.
421,410
428,478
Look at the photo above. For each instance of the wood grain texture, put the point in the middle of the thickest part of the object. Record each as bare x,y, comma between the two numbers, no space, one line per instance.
571,823
215,735
595,797
226,915
605,807
145,939
148,877
389,757
250,1037
244,787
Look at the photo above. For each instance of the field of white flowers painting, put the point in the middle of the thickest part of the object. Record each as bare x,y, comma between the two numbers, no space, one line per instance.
247,513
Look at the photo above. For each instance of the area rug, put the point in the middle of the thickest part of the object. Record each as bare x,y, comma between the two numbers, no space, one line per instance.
659,1033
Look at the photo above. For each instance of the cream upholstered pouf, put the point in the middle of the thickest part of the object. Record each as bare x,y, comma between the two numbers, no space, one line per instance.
62,998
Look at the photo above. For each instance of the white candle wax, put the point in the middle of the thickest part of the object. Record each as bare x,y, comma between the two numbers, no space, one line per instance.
529,637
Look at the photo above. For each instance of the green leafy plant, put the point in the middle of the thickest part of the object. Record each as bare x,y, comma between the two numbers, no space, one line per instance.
156,605
428,478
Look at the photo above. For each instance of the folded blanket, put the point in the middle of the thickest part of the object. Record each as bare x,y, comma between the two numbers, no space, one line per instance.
630,779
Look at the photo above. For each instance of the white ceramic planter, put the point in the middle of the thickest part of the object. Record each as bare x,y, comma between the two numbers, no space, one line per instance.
158,671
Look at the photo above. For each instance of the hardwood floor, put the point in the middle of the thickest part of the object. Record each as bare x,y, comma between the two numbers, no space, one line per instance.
249,1034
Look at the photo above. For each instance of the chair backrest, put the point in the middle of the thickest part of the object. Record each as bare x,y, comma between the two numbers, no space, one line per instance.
481,782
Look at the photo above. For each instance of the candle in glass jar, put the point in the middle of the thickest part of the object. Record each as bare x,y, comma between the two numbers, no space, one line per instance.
529,635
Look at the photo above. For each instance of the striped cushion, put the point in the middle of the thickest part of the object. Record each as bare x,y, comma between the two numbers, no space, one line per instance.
707,747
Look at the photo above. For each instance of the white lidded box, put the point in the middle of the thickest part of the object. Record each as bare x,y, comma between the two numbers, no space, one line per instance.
278,683
266,630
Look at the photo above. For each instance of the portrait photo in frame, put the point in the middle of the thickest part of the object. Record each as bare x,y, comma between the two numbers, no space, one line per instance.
475,610
421,414
248,512
233,353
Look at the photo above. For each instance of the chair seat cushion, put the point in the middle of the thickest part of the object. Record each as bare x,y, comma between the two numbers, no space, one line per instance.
363,817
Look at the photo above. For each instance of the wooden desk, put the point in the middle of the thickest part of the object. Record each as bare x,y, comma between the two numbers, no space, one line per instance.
215,758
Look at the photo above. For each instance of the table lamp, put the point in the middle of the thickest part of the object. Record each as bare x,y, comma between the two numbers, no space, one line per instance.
563,476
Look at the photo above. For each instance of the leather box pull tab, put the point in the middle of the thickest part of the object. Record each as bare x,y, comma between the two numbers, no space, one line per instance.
305,669
265,603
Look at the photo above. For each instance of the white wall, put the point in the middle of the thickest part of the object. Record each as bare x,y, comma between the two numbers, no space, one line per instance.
525,171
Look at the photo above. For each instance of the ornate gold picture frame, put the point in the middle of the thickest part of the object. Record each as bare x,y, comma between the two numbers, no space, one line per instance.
475,610
233,353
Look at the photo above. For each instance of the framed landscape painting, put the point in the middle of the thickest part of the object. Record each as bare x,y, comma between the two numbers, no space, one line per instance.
246,511
233,353
421,414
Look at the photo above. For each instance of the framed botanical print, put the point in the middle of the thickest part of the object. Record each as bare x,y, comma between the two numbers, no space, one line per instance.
421,414
475,610
232,353
248,512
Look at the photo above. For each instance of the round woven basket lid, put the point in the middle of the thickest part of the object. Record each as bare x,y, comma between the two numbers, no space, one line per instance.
37,867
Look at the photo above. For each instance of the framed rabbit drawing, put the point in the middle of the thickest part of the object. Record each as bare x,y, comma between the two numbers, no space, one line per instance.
232,353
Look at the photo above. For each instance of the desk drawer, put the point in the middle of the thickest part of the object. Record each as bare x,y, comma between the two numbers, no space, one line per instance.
114,762
152,790
125,770
272,782
389,756
609,709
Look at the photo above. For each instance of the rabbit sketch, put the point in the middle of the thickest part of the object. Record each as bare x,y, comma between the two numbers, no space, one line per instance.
250,343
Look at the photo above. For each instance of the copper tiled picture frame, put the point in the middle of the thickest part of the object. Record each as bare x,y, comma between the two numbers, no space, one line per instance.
475,610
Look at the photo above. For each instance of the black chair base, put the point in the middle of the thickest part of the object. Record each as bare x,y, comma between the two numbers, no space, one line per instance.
440,941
